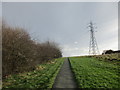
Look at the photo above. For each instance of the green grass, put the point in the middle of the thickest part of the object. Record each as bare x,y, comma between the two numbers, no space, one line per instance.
42,77
93,73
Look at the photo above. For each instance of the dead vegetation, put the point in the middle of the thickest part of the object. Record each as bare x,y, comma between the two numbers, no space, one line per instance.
20,53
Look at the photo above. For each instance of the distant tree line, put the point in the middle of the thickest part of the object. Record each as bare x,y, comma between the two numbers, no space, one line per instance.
20,53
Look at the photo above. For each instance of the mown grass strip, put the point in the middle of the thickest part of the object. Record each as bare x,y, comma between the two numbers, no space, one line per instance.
42,77
92,73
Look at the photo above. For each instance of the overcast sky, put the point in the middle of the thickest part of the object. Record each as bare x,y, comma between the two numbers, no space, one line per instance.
66,23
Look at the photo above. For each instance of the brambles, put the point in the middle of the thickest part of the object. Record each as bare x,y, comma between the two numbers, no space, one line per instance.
39,78
92,73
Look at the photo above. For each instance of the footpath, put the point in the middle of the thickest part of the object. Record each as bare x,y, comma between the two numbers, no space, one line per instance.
65,77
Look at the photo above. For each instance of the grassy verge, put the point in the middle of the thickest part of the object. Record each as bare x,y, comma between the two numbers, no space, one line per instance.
42,77
93,73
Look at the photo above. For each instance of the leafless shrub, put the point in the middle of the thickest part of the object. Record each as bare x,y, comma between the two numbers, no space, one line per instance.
20,53
50,50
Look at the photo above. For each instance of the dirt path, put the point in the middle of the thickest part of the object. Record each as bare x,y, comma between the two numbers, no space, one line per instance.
65,78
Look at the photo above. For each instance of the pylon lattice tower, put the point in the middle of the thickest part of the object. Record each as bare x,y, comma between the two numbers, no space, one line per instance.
93,48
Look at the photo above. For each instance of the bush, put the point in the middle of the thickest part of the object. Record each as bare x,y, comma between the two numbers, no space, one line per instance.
20,53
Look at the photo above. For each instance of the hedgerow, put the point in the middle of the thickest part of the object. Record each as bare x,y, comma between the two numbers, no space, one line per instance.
20,53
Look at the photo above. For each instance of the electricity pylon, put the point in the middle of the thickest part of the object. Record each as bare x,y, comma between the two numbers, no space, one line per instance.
93,48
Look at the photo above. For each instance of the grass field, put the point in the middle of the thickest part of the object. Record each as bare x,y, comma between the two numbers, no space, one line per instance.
42,77
92,73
